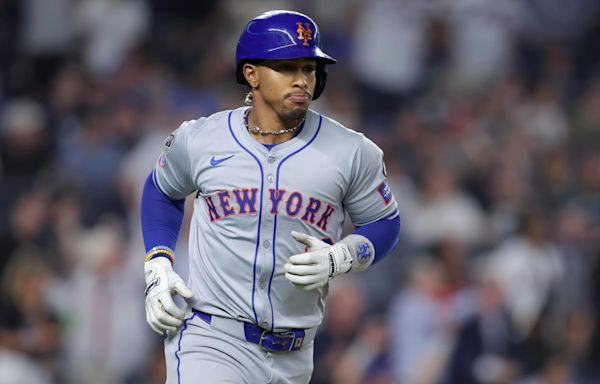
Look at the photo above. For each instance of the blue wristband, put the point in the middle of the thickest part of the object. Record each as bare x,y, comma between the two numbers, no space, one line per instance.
383,234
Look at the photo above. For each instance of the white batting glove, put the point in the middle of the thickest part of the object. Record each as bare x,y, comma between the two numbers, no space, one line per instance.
162,282
322,262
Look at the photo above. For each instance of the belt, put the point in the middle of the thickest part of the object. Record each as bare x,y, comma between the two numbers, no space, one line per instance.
286,341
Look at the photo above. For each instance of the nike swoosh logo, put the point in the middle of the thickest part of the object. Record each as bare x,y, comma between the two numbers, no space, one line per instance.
215,162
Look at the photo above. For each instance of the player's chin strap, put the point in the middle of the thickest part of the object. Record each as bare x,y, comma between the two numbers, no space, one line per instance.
322,262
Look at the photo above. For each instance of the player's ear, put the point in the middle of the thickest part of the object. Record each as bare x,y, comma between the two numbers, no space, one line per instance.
250,74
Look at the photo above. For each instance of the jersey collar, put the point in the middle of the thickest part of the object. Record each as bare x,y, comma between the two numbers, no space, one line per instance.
306,133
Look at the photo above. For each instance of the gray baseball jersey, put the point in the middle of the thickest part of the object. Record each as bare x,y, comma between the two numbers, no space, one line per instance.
249,199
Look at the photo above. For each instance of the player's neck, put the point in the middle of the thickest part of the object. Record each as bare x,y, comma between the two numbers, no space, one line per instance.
267,128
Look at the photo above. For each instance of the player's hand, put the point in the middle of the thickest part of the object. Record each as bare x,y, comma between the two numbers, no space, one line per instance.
322,262
162,282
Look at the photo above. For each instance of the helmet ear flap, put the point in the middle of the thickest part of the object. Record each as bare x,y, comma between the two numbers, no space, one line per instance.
239,75
321,80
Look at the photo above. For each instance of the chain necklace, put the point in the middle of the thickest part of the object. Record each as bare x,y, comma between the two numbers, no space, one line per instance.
257,131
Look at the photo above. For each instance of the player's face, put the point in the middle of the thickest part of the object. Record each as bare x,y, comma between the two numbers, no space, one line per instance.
287,85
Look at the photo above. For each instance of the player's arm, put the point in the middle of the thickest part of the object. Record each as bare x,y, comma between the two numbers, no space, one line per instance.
161,222
162,211
368,200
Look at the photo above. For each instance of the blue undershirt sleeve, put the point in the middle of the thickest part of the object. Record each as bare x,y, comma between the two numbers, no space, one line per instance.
383,234
161,217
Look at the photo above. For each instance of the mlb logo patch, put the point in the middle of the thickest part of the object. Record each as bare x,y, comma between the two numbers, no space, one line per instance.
385,192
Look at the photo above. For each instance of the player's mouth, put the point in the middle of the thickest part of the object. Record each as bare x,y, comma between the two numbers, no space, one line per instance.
299,97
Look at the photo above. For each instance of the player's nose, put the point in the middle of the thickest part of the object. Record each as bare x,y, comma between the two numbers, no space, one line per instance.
301,78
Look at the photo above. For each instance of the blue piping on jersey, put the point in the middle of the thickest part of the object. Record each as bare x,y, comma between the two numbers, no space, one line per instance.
185,325
275,219
259,212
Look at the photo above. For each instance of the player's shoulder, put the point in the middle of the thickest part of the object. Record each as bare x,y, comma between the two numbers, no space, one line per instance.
203,125
334,131
206,122
333,128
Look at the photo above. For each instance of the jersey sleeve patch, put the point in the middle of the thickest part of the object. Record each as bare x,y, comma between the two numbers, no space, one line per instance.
162,160
169,140
385,192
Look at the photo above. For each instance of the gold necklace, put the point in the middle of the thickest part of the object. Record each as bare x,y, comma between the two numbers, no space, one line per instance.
257,131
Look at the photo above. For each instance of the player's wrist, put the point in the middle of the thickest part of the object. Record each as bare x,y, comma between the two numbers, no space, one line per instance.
160,251
361,250
340,259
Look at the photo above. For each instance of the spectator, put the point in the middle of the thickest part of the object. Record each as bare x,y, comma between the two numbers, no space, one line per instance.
346,310
108,30
96,297
482,41
38,334
388,56
422,322
488,347
442,205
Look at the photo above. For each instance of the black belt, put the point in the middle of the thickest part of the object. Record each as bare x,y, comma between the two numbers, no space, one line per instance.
269,341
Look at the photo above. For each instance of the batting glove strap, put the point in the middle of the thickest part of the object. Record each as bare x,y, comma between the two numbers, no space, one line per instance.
361,250
340,259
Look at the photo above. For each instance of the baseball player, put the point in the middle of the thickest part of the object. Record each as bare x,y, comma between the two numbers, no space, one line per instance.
271,181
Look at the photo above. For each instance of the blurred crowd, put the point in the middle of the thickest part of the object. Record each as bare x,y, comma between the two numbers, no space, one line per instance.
489,115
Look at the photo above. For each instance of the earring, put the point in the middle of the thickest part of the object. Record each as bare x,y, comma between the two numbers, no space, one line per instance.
248,99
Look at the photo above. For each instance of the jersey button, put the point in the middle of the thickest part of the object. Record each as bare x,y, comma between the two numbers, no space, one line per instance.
271,159
270,178
262,284
266,243
264,325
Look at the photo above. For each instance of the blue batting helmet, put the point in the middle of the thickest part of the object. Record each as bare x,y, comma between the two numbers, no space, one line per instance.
277,35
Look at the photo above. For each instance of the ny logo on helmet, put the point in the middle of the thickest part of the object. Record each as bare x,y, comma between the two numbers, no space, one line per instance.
304,32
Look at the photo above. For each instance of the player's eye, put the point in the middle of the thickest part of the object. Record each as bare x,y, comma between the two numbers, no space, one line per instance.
309,69
286,67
